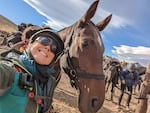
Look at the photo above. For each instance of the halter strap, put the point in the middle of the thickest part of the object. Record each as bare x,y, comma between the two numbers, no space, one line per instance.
71,70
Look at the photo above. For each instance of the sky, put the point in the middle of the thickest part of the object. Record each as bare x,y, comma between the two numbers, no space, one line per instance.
126,37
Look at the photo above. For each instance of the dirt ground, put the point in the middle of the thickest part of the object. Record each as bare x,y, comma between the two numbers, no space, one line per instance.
66,99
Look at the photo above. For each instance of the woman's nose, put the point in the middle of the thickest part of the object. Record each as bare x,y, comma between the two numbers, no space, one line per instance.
47,48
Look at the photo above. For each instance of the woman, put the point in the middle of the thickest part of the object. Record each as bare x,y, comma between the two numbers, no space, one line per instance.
27,84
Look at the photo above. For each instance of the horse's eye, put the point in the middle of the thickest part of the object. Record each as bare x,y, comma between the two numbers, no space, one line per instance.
85,44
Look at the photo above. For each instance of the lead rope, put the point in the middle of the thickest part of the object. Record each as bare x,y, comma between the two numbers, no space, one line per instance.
76,96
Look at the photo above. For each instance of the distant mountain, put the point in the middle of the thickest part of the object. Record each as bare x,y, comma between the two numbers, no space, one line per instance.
7,25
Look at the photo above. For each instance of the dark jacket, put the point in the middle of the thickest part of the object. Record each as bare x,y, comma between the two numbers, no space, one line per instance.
130,78
11,81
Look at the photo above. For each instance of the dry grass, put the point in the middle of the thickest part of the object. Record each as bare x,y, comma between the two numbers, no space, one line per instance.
7,25
66,99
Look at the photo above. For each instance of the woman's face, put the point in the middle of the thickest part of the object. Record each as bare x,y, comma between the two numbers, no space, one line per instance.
42,54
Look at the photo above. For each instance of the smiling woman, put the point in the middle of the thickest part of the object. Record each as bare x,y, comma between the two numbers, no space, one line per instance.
27,77
41,49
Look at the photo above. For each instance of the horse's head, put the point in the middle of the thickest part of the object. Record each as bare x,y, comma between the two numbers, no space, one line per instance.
83,59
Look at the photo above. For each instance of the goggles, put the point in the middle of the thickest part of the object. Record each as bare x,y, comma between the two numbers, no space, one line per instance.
47,42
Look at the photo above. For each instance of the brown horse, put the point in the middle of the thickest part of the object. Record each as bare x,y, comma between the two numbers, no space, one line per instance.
83,57
144,101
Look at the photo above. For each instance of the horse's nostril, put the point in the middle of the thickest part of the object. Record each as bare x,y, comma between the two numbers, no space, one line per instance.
96,103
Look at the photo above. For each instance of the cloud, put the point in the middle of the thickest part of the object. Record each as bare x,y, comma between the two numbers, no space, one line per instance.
133,54
69,13
126,14
59,13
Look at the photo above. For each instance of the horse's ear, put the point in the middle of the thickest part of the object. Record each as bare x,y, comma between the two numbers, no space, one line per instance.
90,12
102,24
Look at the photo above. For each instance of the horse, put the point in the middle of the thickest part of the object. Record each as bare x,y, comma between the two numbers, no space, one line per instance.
82,59
144,97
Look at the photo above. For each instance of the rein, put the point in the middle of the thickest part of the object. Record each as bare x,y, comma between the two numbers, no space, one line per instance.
71,70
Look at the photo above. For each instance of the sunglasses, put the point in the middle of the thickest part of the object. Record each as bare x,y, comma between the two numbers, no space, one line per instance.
47,42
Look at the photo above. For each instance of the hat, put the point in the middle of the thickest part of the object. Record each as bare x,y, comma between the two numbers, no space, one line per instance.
53,36
131,67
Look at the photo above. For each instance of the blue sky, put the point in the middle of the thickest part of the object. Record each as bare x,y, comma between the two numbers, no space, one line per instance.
126,37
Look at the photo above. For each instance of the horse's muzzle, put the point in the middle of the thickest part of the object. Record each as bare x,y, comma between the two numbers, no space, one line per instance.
95,104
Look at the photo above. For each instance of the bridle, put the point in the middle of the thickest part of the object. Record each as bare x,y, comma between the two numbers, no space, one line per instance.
71,70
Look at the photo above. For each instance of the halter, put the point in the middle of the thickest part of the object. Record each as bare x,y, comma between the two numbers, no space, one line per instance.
71,70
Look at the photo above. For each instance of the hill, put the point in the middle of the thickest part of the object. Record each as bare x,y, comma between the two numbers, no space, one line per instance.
7,25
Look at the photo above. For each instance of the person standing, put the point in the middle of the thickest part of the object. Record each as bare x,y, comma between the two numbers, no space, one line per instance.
128,78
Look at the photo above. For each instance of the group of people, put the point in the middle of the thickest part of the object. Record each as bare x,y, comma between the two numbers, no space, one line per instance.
125,78
26,81
129,78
